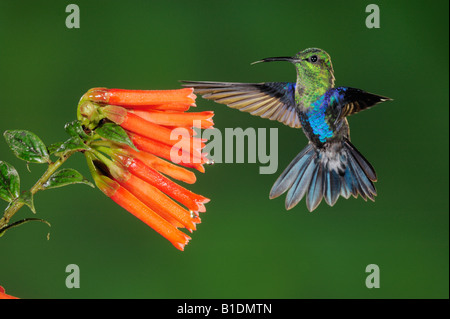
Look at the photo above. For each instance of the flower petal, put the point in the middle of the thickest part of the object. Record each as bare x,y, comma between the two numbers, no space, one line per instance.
183,119
133,205
165,167
163,150
130,98
159,203
4,295
177,192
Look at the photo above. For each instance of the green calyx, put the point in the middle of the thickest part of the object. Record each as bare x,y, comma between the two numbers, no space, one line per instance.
89,114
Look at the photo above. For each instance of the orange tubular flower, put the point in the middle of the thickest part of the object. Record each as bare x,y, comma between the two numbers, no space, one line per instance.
128,201
177,118
136,124
162,150
142,98
192,201
3,295
140,180
165,167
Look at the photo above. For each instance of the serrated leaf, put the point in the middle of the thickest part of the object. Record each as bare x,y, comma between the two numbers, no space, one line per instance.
26,197
74,128
9,182
21,222
65,177
72,144
115,133
27,146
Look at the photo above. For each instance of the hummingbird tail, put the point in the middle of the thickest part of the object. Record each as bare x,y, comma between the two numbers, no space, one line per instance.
335,170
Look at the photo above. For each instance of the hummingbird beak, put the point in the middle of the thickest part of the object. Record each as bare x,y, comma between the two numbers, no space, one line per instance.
287,59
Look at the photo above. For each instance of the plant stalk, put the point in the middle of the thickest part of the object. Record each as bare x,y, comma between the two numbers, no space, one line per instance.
16,205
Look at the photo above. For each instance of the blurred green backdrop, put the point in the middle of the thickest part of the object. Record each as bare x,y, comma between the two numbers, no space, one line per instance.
247,246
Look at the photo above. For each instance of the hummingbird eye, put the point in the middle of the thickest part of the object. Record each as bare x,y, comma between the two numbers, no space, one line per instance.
313,59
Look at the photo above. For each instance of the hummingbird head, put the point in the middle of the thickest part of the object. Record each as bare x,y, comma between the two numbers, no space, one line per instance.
313,65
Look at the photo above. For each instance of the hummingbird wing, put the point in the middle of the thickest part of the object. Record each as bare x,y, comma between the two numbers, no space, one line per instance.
345,101
272,100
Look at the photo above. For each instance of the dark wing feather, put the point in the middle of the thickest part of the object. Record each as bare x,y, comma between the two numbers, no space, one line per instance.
272,100
345,101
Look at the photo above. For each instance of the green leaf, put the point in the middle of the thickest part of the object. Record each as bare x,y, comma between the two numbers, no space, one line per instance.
65,177
9,182
52,148
74,128
115,133
26,197
27,146
21,222
72,144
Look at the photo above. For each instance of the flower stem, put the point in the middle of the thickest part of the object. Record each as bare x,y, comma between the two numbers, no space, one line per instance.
16,205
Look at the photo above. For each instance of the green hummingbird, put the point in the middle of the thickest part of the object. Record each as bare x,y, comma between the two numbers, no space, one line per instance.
329,166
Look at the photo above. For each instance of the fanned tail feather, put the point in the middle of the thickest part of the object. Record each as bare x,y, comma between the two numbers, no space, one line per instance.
316,174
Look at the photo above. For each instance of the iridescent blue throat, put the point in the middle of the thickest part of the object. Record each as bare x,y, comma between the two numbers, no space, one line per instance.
317,117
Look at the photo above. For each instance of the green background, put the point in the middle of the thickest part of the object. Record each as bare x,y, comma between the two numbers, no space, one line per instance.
247,245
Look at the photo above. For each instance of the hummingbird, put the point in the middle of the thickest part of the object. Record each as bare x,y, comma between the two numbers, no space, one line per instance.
329,166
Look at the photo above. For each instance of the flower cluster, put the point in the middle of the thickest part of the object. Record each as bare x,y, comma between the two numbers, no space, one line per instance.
133,156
